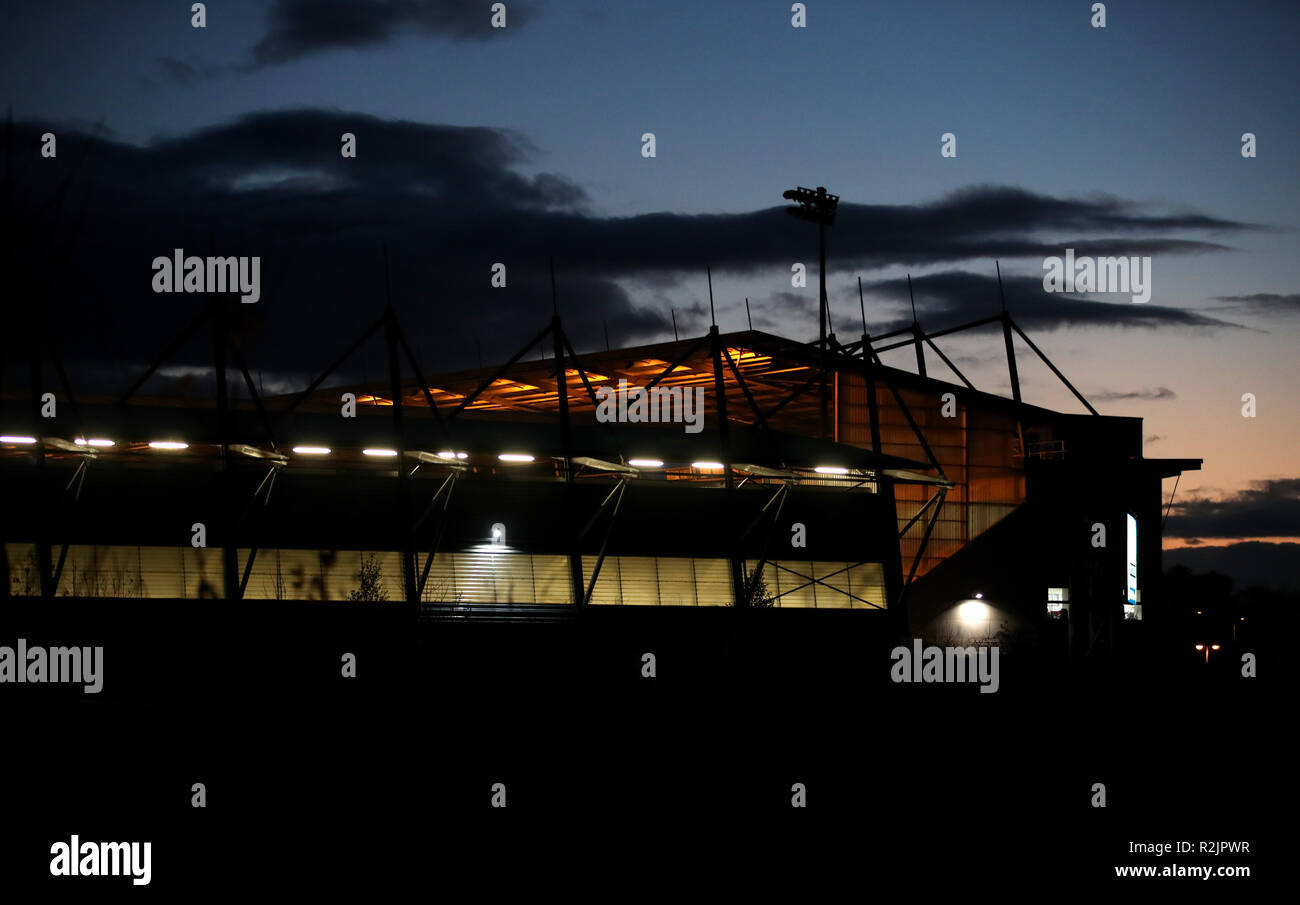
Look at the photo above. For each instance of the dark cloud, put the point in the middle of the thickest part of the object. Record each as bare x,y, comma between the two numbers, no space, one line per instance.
449,202
874,236
1156,393
182,72
1249,563
299,28
956,296
1263,303
1268,509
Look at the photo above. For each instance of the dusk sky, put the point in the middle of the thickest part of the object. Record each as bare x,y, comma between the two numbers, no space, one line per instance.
477,145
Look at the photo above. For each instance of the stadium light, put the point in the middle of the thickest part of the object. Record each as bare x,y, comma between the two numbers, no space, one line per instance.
818,206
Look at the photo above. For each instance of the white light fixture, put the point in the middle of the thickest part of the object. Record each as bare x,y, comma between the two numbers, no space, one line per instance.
387,453
448,454
312,450
830,469
646,463
8,438
168,444
973,612
515,457
93,441
979,595
708,466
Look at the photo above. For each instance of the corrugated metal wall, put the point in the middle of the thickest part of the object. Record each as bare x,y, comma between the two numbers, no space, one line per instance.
978,449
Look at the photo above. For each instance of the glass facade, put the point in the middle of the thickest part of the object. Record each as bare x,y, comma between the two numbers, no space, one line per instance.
487,574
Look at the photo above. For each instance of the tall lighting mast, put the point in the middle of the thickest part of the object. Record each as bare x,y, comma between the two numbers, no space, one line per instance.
818,206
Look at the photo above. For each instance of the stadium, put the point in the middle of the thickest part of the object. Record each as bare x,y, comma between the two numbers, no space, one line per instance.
815,478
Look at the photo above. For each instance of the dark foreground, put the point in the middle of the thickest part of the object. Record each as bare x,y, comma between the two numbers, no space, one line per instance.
681,783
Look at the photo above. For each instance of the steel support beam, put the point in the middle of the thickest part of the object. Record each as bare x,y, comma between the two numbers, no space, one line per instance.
580,594
753,403
677,362
252,391
1011,357
617,496
229,547
920,512
809,580
448,484
419,375
950,365
889,347
1047,361
403,476
500,372
719,386
920,550
185,334
824,317
870,362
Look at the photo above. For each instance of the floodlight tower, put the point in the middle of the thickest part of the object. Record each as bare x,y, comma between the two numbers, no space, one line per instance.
819,207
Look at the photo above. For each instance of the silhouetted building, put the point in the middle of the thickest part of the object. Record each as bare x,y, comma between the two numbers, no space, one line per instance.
505,491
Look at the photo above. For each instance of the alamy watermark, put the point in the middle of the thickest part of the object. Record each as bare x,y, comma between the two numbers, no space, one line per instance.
76,665
211,274
102,859
637,405
946,664
1131,275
